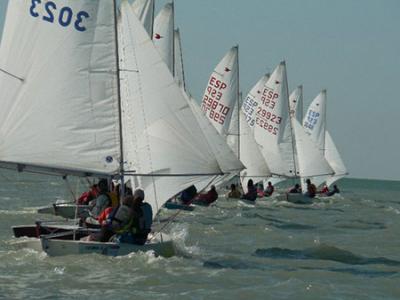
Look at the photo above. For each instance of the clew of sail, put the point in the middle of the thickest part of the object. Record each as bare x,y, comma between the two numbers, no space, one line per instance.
222,92
144,10
165,145
163,35
58,87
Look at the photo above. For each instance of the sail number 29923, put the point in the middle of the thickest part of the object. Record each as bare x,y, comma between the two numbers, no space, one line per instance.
64,15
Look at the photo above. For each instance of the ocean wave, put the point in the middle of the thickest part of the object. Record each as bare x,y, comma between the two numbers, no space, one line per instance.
325,252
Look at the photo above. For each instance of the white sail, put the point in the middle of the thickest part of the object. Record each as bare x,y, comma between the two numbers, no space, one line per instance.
58,87
335,161
222,92
315,120
311,162
144,10
163,35
233,132
161,132
296,103
253,99
250,155
225,156
178,60
272,129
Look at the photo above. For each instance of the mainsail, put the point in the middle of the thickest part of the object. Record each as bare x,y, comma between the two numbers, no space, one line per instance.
58,85
163,34
296,103
250,151
315,120
272,129
222,92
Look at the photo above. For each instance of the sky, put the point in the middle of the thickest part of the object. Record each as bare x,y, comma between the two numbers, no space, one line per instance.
349,47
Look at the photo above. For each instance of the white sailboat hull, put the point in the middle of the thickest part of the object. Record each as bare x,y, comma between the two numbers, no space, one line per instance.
55,245
64,210
296,198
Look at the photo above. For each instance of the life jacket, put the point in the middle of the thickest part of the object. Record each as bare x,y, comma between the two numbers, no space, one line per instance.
113,199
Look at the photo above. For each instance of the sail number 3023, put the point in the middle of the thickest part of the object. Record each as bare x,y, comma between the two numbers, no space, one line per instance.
66,15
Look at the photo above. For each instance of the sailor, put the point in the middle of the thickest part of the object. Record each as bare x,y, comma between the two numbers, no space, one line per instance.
251,191
102,201
188,194
87,196
234,193
207,198
269,190
334,191
139,226
311,189
296,189
324,190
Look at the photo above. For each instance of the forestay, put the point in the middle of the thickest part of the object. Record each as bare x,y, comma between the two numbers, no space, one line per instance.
58,85
144,10
164,142
163,36
222,91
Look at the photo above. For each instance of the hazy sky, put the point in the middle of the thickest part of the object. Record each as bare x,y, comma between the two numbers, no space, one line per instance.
349,47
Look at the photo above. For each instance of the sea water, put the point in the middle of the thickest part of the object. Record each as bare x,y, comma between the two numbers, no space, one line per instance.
344,247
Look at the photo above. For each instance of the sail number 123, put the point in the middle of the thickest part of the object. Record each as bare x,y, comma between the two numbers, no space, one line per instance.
65,14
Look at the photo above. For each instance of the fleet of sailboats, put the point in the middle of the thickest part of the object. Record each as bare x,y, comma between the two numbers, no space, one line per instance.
99,92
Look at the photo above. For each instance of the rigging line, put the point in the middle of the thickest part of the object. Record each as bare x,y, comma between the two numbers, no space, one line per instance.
12,75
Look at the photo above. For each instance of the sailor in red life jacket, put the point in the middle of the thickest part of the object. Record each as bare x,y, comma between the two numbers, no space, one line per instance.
207,198
87,196
324,190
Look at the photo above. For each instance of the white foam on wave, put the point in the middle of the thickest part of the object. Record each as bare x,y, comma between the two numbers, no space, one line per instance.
25,211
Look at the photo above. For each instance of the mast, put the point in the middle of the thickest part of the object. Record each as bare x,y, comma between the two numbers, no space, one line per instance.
121,163
294,149
239,96
173,38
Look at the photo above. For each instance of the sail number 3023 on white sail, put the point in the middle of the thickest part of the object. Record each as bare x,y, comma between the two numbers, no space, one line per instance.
65,14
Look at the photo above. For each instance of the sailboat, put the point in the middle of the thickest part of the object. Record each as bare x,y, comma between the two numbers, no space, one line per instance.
84,102
286,148
314,124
